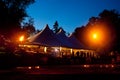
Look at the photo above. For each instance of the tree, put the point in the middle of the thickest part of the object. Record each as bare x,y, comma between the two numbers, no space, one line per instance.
108,21
37,31
80,34
56,27
12,14
112,21
28,27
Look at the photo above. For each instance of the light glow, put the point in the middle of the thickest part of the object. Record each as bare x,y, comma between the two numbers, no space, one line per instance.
60,48
56,50
37,67
71,50
29,67
86,66
94,36
21,38
112,66
45,49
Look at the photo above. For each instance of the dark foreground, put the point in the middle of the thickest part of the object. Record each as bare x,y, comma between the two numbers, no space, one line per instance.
66,72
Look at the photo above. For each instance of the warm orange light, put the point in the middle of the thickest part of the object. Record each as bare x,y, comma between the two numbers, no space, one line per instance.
95,36
21,38
45,49
98,35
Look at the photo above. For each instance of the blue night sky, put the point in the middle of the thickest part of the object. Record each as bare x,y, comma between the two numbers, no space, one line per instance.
69,13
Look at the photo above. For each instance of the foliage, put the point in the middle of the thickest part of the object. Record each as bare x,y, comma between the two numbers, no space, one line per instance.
109,22
28,27
56,27
12,14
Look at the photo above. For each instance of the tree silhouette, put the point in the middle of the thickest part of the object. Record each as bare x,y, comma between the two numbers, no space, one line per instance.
108,20
80,34
56,27
28,27
12,14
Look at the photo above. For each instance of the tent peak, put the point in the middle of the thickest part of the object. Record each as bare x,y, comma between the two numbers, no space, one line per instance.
72,34
46,27
61,31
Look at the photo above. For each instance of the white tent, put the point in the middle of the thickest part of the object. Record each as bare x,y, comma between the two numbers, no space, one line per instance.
64,39
48,42
45,38
75,42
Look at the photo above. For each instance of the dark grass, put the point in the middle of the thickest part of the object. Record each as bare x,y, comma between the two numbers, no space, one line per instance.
17,76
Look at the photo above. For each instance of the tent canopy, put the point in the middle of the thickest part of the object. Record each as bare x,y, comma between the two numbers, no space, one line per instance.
45,37
63,38
48,38
75,42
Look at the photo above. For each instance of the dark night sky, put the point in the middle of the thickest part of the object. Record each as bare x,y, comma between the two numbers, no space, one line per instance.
69,13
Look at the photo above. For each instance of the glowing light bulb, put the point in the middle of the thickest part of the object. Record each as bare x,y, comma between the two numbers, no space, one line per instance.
95,36
21,38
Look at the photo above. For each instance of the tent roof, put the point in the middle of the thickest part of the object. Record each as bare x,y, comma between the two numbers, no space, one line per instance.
45,37
75,42
63,38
